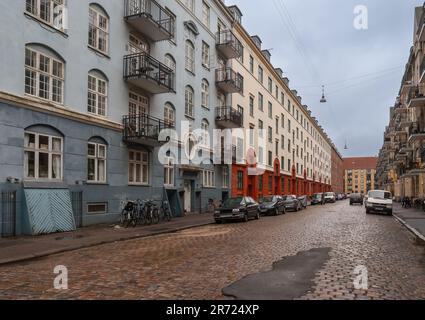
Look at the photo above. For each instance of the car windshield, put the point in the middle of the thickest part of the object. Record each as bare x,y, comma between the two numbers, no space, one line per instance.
329,194
379,195
355,195
233,202
317,196
268,199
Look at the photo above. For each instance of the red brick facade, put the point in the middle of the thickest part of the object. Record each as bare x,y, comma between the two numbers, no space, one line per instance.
272,183
337,170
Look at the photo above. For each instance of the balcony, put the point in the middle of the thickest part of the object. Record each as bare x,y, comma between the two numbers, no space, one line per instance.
415,134
144,130
416,98
422,71
228,45
143,71
150,19
229,81
228,118
421,28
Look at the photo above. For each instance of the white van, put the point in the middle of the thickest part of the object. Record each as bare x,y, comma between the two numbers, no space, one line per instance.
379,201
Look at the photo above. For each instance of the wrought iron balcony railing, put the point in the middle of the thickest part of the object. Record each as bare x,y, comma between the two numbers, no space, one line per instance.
229,81
228,117
229,45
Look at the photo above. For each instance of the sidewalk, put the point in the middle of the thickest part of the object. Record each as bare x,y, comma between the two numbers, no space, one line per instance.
413,219
28,247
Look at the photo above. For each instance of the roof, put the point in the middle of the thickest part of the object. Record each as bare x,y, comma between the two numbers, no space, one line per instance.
360,163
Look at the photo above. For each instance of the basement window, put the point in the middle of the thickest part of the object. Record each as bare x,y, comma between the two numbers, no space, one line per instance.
97,208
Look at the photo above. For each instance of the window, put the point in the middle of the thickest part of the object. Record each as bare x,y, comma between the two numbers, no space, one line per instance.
251,135
260,155
97,95
190,4
208,179
138,167
270,184
251,106
277,92
96,154
44,76
270,85
97,208
205,94
43,157
190,57
240,180
260,102
289,126
260,128
260,74
225,184
277,125
251,64
282,164
189,103
169,172
282,98
205,127
260,183
282,142
98,30
50,11
206,14
270,110
270,134
205,55
170,62
169,114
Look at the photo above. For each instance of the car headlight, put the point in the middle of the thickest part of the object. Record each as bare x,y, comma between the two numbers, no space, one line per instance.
236,210
389,206
217,212
368,204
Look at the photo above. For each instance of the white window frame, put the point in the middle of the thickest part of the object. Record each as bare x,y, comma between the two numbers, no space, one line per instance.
97,159
56,14
208,179
36,151
190,4
34,72
143,164
98,95
98,30
225,177
205,127
205,94
206,55
190,56
169,180
169,114
189,102
206,14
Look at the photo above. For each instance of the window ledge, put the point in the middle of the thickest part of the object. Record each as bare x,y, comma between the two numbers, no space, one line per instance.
98,52
139,185
190,72
93,183
45,24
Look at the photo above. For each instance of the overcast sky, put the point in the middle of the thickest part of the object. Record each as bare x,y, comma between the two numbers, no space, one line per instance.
362,70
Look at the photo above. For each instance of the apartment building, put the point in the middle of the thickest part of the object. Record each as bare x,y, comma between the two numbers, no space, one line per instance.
337,176
286,141
401,165
360,174
89,88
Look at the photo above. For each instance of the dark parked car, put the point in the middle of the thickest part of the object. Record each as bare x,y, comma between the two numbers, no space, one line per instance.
291,203
272,205
356,198
303,201
318,198
240,208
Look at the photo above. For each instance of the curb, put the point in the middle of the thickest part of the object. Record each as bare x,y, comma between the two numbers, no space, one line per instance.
47,253
420,238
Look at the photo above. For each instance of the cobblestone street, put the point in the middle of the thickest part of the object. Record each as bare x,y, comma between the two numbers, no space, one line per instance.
198,263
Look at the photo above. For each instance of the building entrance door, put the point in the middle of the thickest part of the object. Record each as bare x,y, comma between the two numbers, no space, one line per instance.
188,196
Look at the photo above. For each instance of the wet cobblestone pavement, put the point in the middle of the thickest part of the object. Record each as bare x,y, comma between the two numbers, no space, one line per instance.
198,263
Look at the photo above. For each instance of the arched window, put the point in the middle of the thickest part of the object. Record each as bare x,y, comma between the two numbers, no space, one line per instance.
97,98
44,73
190,56
96,160
169,114
98,28
189,102
170,62
205,87
43,154
205,126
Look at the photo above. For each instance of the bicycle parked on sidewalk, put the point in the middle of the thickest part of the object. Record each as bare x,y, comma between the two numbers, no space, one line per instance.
165,211
129,215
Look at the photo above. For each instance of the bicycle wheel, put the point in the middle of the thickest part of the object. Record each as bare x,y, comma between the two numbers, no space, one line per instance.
155,216
133,221
148,216
123,218
167,214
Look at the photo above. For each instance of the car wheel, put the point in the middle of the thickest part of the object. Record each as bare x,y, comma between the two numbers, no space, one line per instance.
246,218
276,212
257,217
218,221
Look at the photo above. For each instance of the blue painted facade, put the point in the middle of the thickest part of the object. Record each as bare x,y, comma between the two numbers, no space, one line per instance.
71,120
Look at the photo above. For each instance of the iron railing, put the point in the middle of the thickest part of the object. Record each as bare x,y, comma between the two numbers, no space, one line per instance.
229,114
229,75
227,38
77,207
153,10
8,214
416,92
143,126
142,65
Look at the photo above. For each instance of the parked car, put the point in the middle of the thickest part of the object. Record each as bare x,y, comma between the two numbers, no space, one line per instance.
340,196
239,208
291,203
303,201
379,201
330,197
272,205
317,198
356,198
